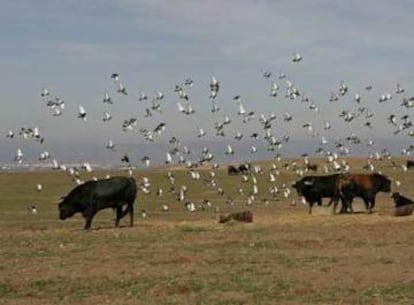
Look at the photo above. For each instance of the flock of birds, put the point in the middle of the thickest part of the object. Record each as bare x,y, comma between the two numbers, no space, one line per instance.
267,136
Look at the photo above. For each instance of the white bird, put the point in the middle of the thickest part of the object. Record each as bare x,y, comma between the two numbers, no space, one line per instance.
82,113
33,209
255,189
274,89
44,155
287,117
159,95
238,136
107,117
343,88
57,112
296,57
399,89
168,158
146,160
122,89
190,206
180,107
215,107
107,99
195,175
201,132
39,187
10,134
110,145
19,156
214,87
333,98
242,110
87,166
142,96
55,164
229,150
44,92
165,208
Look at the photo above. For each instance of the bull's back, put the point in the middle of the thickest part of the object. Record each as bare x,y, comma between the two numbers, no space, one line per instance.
108,187
326,185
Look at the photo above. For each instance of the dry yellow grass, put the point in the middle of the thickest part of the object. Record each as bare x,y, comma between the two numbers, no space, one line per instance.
284,257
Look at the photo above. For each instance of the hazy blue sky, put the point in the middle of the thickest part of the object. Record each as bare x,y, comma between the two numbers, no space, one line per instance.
72,47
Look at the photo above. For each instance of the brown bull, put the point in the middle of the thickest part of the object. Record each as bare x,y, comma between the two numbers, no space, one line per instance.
365,186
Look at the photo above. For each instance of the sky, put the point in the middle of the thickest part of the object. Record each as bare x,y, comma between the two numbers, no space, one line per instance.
72,47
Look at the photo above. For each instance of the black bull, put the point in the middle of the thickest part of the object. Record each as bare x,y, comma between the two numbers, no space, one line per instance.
314,188
93,196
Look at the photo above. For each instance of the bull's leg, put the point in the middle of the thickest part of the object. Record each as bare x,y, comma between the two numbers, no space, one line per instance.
118,215
335,203
349,207
88,219
88,214
344,207
330,202
131,214
310,207
369,204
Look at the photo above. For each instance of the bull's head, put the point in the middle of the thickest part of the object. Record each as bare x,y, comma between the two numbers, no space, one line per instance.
66,209
386,185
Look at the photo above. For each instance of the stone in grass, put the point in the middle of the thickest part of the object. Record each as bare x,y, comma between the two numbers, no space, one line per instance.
245,216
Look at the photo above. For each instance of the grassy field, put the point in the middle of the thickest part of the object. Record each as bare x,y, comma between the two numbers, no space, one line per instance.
179,257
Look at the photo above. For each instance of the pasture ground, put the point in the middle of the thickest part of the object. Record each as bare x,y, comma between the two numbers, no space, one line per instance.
178,257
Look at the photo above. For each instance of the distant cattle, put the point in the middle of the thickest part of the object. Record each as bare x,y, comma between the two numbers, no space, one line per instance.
410,164
365,186
311,167
92,196
232,170
244,168
314,188
245,216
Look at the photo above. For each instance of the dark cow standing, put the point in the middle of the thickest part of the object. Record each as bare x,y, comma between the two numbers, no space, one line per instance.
410,164
314,188
232,170
244,168
93,196
365,186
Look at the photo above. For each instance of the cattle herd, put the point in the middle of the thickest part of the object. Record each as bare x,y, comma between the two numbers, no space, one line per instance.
344,188
119,193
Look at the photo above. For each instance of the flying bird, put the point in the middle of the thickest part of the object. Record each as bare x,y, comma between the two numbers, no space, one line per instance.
142,96
122,89
82,113
107,99
214,87
296,57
